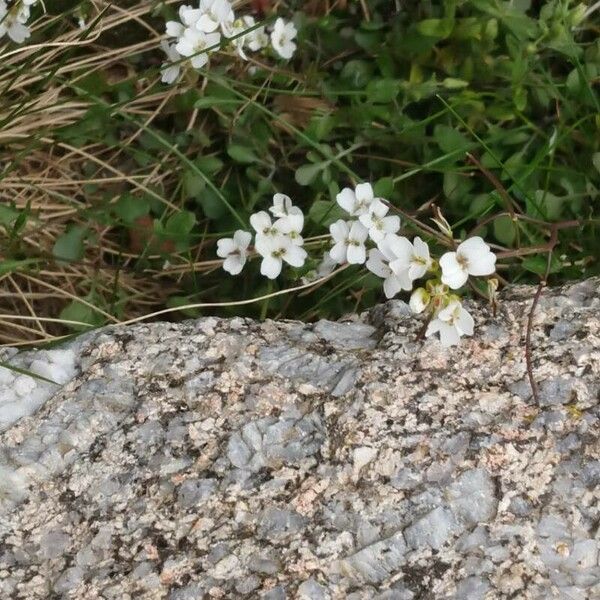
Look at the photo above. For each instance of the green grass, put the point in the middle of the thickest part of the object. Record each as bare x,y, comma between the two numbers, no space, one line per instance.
114,187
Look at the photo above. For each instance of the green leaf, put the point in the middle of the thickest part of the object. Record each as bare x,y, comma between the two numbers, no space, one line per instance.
450,139
383,90
14,266
505,230
8,215
69,246
211,204
384,187
241,154
129,208
210,165
325,212
306,174
539,263
179,226
81,313
436,28
357,73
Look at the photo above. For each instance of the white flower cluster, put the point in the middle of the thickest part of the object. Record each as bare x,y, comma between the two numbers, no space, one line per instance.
207,28
394,258
277,241
13,20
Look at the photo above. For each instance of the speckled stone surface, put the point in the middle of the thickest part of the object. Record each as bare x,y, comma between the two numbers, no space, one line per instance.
233,459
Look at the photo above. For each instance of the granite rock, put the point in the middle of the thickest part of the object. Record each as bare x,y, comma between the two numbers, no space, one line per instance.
233,459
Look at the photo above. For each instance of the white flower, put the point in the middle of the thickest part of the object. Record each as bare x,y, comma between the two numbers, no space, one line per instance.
193,42
12,24
262,224
378,263
188,16
282,206
472,257
255,39
234,251
215,14
349,238
451,322
415,259
282,38
291,226
275,250
377,223
170,72
356,202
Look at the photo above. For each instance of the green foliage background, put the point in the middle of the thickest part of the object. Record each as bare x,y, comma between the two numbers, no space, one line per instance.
397,96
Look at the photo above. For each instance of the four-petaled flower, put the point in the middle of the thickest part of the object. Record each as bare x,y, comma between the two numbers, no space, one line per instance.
214,14
472,257
451,322
275,250
234,251
282,38
414,258
349,238
193,42
356,202
264,227
12,23
376,221
380,263
188,17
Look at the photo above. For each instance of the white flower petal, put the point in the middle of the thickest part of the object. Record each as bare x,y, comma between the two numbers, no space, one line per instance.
260,221
453,273
449,336
392,286
338,252
234,264
339,230
358,232
347,200
364,193
377,265
225,247
295,256
465,322
356,254
242,238
270,267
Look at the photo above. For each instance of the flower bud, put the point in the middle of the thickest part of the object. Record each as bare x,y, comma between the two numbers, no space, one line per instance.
419,300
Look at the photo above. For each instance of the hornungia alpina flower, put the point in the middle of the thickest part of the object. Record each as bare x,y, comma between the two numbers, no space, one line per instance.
275,250
356,202
262,224
376,221
234,251
12,22
188,17
451,322
414,258
282,38
282,206
193,42
170,70
349,242
472,257
254,40
214,14
379,264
